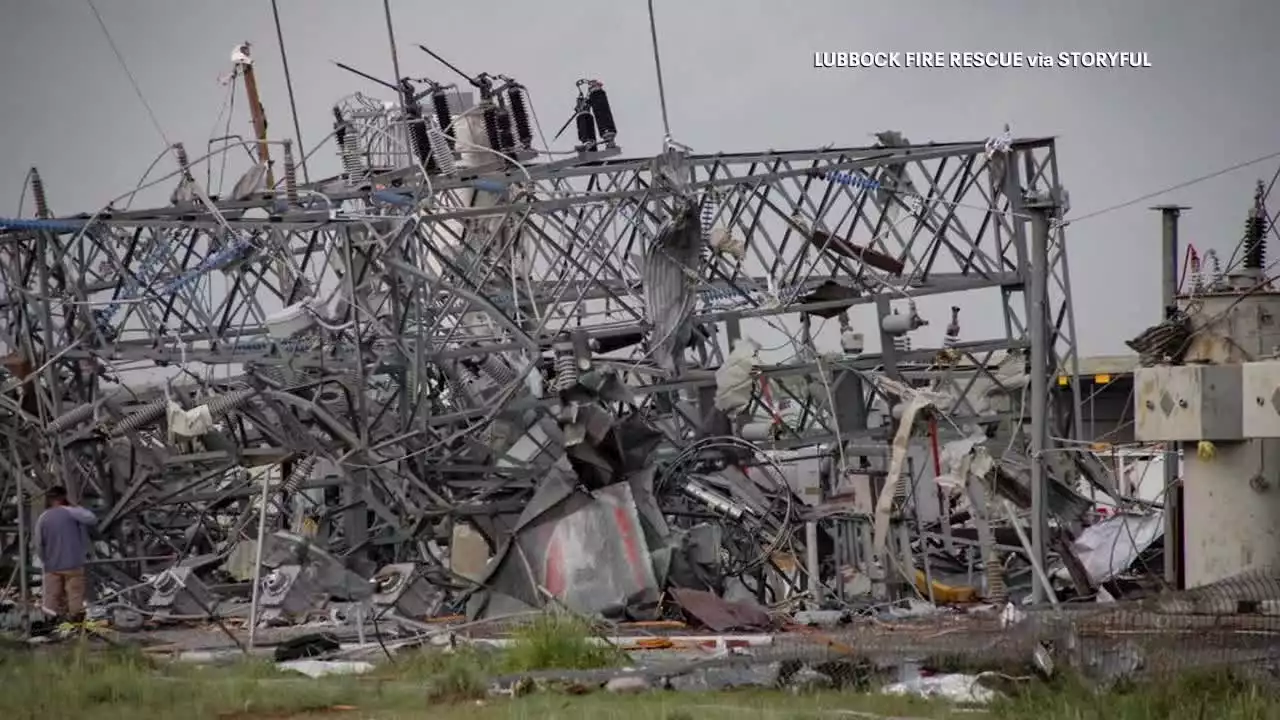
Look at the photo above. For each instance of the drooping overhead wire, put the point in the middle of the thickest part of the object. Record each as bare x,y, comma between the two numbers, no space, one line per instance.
1171,188
137,89
1273,218
288,84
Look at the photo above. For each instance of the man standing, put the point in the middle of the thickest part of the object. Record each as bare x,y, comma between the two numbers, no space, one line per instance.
62,542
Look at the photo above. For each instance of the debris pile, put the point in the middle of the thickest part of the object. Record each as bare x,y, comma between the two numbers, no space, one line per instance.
457,382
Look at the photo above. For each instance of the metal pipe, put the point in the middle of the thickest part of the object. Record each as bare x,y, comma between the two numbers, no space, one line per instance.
813,565
1170,247
1041,209
391,37
257,559
24,589
1042,587
258,115
288,84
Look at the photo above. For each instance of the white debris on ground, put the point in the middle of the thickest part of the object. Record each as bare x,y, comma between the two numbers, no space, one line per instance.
956,688
325,668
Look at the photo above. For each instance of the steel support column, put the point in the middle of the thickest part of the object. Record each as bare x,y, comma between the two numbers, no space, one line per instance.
1042,208
1171,267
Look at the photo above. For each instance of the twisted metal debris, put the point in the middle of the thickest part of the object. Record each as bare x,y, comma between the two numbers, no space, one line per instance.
456,332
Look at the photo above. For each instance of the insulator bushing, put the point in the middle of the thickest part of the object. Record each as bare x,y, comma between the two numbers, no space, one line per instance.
490,116
228,401
586,129
184,163
71,418
148,414
506,140
301,471
37,192
1255,243
566,362
498,371
290,174
598,99
520,115
444,116
441,151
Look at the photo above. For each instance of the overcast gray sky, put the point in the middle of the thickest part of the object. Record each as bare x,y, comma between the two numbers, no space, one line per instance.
740,75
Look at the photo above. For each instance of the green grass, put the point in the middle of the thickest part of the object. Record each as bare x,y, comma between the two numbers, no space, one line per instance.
76,680
444,677
559,642
97,685
551,642
1211,696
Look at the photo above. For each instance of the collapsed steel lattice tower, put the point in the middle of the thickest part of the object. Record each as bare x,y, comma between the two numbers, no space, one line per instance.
412,342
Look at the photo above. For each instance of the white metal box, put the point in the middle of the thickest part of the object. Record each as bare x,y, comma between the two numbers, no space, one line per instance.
1188,403
1260,388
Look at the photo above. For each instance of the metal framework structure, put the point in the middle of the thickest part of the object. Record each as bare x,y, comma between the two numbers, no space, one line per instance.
413,343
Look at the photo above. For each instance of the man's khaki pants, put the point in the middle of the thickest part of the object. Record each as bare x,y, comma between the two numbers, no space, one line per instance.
64,593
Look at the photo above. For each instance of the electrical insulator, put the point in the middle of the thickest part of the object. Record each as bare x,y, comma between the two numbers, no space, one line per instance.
520,115
710,209
183,162
707,218
566,363
490,116
598,99
444,116
952,336
1197,271
506,140
1255,233
418,140
441,151
586,127
290,174
349,148
301,473
183,192
340,128
852,180
1215,267
499,371
37,192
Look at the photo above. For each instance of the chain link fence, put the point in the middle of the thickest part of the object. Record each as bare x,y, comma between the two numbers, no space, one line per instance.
1230,626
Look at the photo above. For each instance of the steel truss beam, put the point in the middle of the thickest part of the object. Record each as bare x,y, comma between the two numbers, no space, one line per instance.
432,314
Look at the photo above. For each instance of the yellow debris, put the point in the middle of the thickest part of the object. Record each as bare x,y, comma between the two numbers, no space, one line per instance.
945,594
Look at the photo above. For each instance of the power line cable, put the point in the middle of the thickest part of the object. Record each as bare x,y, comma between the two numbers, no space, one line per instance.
137,89
1171,188
288,84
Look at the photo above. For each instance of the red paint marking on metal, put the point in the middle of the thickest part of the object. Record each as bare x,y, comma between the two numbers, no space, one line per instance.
630,546
766,397
553,568
933,445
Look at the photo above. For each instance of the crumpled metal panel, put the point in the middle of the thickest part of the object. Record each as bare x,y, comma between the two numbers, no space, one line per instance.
671,265
720,615
587,551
